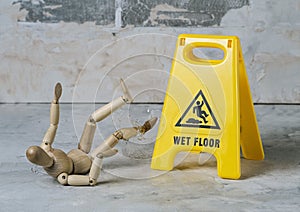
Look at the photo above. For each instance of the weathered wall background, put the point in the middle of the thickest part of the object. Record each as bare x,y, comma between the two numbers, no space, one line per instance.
88,45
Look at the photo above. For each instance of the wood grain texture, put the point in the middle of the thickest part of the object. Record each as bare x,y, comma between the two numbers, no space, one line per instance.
38,156
87,136
81,162
78,180
62,164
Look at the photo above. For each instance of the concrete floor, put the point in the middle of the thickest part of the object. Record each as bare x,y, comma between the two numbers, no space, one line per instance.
128,184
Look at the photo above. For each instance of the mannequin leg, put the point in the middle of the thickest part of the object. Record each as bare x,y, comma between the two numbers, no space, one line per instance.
84,180
100,114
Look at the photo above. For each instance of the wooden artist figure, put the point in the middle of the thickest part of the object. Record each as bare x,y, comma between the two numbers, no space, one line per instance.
78,167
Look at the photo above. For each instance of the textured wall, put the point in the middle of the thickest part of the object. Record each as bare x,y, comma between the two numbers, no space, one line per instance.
88,45
134,12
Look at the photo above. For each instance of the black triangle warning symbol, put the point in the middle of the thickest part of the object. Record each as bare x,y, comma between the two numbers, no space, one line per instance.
198,114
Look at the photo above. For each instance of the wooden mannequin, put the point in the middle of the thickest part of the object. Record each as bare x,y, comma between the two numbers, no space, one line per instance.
71,168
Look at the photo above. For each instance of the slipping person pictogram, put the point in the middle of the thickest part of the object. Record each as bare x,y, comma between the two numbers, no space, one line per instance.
199,112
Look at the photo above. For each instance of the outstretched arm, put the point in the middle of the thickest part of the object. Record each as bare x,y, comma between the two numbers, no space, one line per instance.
54,119
125,134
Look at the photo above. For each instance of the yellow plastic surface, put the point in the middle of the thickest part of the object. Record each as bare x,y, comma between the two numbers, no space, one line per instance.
208,107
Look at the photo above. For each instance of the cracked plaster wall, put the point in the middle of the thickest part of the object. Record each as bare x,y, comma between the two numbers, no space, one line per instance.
88,45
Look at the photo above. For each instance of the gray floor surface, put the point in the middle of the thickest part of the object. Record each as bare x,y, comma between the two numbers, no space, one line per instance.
127,183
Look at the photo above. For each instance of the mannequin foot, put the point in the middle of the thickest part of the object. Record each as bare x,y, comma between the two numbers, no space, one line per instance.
126,95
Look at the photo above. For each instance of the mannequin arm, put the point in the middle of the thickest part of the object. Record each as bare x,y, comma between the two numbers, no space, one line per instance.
54,119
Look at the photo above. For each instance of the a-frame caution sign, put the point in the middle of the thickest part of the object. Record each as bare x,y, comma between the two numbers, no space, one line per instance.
208,107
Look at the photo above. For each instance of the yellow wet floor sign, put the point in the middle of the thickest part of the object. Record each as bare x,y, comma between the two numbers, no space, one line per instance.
208,106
